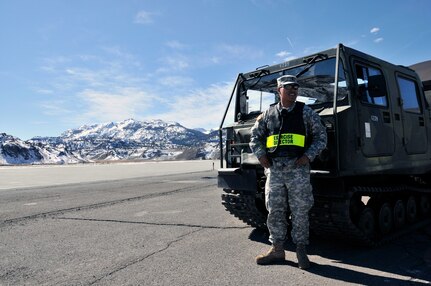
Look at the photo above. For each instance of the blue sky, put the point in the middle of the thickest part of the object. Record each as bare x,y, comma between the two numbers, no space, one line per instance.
66,63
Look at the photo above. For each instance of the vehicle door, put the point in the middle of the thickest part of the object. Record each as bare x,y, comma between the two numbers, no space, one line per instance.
375,123
414,129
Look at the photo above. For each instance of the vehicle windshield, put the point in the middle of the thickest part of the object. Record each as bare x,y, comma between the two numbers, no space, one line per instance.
316,87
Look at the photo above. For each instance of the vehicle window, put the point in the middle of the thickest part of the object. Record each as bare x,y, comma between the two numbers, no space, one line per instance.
259,101
316,86
409,94
371,85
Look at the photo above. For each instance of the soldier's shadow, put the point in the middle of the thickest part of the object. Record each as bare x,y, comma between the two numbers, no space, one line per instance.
357,264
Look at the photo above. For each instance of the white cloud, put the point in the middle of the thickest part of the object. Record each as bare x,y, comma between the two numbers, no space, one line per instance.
87,90
378,40
374,30
215,60
86,71
176,45
200,108
90,77
174,63
113,106
55,108
175,81
283,54
118,53
240,51
144,17
91,89
50,64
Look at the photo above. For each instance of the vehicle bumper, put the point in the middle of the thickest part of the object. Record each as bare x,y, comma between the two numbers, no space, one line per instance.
237,179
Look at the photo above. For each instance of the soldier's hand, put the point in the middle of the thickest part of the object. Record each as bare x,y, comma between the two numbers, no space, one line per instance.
302,161
264,162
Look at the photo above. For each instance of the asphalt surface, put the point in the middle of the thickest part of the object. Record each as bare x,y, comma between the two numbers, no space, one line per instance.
169,229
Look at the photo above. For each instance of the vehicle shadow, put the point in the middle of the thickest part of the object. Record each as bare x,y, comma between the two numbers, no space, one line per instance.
405,261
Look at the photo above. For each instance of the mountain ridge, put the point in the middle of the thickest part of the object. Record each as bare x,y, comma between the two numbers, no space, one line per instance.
115,141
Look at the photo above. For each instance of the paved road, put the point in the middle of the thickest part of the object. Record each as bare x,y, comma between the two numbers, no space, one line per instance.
171,230
50,175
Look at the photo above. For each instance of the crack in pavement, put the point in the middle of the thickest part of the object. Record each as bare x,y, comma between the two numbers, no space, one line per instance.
135,261
155,223
12,221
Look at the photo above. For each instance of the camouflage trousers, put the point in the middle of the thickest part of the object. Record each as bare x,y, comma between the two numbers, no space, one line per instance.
288,185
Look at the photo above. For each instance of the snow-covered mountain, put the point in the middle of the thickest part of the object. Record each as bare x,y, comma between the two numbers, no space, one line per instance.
15,151
126,140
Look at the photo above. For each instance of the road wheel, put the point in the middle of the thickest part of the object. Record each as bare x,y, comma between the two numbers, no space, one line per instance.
366,222
424,205
385,218
411,209
399,214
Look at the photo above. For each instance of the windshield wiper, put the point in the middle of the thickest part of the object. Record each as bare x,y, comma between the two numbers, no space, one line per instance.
311,62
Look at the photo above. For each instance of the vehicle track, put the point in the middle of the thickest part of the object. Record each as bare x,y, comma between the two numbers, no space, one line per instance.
329,217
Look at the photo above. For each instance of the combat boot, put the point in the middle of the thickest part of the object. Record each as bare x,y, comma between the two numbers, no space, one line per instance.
275,254
301,254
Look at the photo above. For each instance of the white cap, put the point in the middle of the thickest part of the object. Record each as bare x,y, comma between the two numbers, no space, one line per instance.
287,79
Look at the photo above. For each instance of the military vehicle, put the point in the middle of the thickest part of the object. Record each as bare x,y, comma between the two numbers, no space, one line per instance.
373,181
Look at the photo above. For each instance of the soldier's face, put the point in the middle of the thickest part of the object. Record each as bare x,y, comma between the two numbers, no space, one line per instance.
288,93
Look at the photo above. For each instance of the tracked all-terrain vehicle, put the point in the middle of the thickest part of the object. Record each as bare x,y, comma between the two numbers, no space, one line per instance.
373,181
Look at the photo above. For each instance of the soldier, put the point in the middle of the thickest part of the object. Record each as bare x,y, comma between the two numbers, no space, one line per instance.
285,139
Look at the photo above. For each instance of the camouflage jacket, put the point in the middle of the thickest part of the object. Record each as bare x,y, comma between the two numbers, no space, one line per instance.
313,127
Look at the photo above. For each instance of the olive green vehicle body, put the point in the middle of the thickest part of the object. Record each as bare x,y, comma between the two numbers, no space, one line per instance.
378,157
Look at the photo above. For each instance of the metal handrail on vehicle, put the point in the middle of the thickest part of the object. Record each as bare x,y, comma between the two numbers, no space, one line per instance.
220,130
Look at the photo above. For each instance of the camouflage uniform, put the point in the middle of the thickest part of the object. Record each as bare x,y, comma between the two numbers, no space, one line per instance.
288,183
